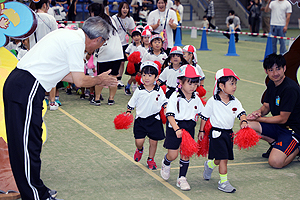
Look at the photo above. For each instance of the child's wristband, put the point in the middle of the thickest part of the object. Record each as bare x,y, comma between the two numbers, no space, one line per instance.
201,131
244,121
177,130
129,111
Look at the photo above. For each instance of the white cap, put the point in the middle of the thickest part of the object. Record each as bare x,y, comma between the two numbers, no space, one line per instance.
222,73
191,49
146,33
149,63
148,27
135,30
155,36
188,71
176,50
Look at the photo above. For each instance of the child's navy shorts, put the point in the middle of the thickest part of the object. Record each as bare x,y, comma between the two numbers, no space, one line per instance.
171,141
220,144
150,126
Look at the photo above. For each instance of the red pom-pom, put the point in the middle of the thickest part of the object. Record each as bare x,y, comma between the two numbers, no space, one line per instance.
159,66
163,116
188,145
203,146
123,121
204,143
201,92
138,78
246,138
164,88
130,68
203,100
135,57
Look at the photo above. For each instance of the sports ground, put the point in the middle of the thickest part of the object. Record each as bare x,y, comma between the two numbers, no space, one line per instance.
85,157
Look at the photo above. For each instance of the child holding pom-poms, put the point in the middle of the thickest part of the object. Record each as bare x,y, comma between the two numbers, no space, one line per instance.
190,55
148,100
171,67
222,109
134,52
182,111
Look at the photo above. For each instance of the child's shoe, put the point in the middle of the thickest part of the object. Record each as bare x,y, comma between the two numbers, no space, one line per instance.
91,97
207,171
182,183
151,164
165,171
226,187
82,96
120,84
53,106
95,103
69,91
110,102
79,91
138,155
127,91
58,102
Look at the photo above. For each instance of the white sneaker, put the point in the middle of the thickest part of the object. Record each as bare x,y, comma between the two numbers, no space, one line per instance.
120,83
226,187
182,183
207,171
133,87
53,105
165,171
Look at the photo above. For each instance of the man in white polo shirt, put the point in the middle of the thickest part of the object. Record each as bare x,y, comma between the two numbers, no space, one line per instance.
57,56
281,11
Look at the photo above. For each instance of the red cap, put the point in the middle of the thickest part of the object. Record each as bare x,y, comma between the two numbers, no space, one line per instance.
221,73
188,71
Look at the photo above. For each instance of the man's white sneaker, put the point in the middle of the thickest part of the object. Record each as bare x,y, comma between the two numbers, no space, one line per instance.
182,183
165,171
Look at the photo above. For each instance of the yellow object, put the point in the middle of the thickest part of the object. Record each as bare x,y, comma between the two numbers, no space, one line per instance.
162,35
7,63
178,16
12,16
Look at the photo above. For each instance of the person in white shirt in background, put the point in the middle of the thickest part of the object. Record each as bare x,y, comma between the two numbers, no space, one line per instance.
281,11
57,11
143,14
169,4
125,24
107,60
178,8
163,19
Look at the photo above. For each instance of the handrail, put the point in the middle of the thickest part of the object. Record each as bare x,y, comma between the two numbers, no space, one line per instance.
205,4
